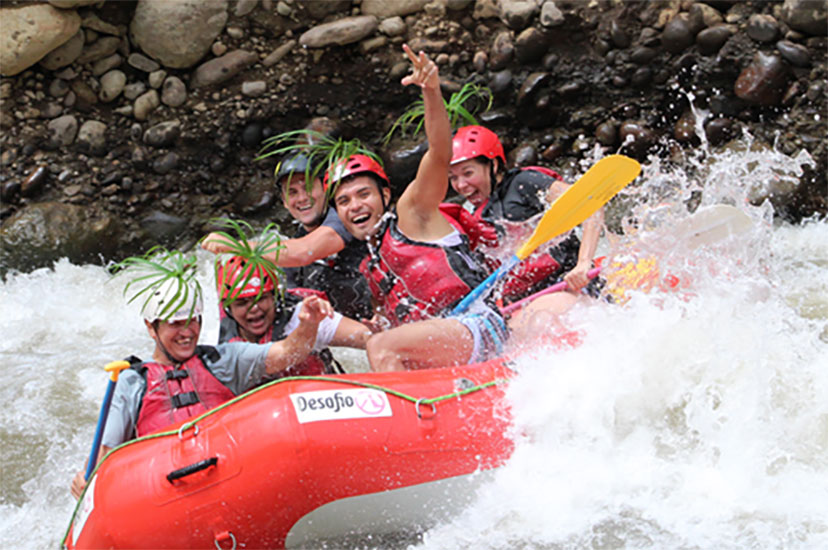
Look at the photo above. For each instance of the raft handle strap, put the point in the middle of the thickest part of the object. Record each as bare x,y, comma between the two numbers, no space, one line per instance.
187,426
223,536
192,468
417,408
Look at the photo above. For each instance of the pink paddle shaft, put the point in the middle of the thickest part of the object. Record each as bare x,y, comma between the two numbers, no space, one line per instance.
592,273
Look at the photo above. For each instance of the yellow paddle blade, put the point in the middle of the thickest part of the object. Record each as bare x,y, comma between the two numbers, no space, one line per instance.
592,191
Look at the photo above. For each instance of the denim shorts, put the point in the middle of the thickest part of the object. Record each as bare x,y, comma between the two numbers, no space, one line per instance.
489,332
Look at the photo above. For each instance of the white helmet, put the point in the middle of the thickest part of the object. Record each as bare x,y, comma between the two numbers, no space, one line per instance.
174,300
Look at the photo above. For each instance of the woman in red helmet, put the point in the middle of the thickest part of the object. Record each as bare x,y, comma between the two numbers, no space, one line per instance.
253,313
419,265
501,199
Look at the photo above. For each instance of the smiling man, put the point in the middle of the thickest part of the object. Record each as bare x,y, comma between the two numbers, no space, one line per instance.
420,263
183,379
322,255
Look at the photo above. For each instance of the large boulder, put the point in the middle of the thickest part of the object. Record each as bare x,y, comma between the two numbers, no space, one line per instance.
42,233
177,34
32,31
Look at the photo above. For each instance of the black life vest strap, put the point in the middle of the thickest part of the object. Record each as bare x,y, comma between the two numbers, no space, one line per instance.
184,399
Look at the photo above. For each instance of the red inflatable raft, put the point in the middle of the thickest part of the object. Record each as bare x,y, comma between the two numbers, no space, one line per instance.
303,461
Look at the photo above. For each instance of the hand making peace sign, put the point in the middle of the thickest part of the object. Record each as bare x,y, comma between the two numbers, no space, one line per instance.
425,73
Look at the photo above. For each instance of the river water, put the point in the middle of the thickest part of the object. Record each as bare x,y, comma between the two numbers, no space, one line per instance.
693,419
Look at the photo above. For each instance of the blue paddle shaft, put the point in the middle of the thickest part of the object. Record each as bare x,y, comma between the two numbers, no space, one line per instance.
499,273
96,442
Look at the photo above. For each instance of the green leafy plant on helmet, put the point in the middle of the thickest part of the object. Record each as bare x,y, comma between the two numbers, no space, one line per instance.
153,272
252,251
324,153
461,108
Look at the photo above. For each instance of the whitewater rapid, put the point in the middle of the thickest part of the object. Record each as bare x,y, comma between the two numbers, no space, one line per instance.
690,419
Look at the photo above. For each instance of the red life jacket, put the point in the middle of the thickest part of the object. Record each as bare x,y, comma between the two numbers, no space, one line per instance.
531,272
414,280
321,362
176,394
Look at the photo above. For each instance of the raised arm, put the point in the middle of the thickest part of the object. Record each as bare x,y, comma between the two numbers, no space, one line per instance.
319,243
299,343
577,278
418,205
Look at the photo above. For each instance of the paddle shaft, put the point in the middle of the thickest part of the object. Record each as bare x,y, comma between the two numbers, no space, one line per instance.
114,368
592,191
96,442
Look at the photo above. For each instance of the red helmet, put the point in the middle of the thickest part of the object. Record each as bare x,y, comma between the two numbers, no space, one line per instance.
355,164
235,280
476,141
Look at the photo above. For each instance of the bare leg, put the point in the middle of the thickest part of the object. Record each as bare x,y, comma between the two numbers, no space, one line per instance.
541,317
421,345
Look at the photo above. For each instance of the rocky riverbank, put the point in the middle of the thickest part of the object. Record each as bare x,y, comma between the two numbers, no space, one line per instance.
126,124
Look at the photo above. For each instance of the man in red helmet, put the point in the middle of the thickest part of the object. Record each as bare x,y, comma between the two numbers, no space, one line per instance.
500,200
322,255
420,265
254,313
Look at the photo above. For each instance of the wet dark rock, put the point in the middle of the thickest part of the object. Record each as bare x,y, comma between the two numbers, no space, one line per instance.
808,16
722,104
517,13
712,39
165,164
496,117
34,183
601,46
719,130
552,152
619,36
550,60
649,37
9,189
763,81
702,16
795,54
163,134
762,28
222,68
677,35
252,134
502,52
530,45
636,138
607,133
530,86
684,130
500,81
403,161
44,232
524,155
641,77
641,55
570,89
